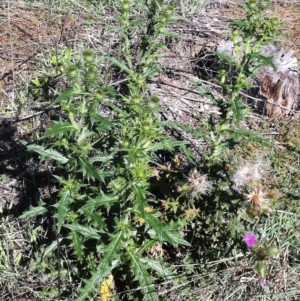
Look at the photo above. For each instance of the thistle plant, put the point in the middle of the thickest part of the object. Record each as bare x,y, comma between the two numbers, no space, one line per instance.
261,255
104,207
239,65
248,37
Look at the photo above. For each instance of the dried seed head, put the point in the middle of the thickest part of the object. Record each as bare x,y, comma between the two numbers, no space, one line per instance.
257,198
198,183
248,173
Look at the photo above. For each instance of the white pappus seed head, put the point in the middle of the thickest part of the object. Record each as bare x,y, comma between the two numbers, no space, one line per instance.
247,173
198,183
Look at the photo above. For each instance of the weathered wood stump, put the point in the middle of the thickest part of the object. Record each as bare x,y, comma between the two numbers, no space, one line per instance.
279,86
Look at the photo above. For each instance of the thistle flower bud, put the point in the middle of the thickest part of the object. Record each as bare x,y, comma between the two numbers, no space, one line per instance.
271,251
261,268
263,281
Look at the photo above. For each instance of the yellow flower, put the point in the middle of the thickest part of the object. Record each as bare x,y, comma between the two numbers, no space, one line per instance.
106,288
140,220
148,209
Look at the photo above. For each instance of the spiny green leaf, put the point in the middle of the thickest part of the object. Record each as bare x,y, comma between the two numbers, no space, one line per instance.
62,208
50,249
120,64
150,71
147,246
34,211
142,276
47,153
85,231
66,95
101,200
226,58
260,60
77,244
173,125
103,123
189,155
107,264
166,144
58,129
251,136
157,266
104,159
163,232
87,168
240,23
237,107
139,193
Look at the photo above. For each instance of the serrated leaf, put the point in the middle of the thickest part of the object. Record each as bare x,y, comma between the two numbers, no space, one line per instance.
226,58
59,129
142,276
117,109
103,123
87,167
163,232
139,193
102,200
85,231
154,223
65,95
241,23
62,208
120,64
146,246
172,125
47,153
237,107
77,245
108,263
50,249
264,60
176,237
251,136
189,155
157,266
104,159
97,220
150,71
34,211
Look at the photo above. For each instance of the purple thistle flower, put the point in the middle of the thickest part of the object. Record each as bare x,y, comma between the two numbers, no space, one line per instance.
263,281
250,239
